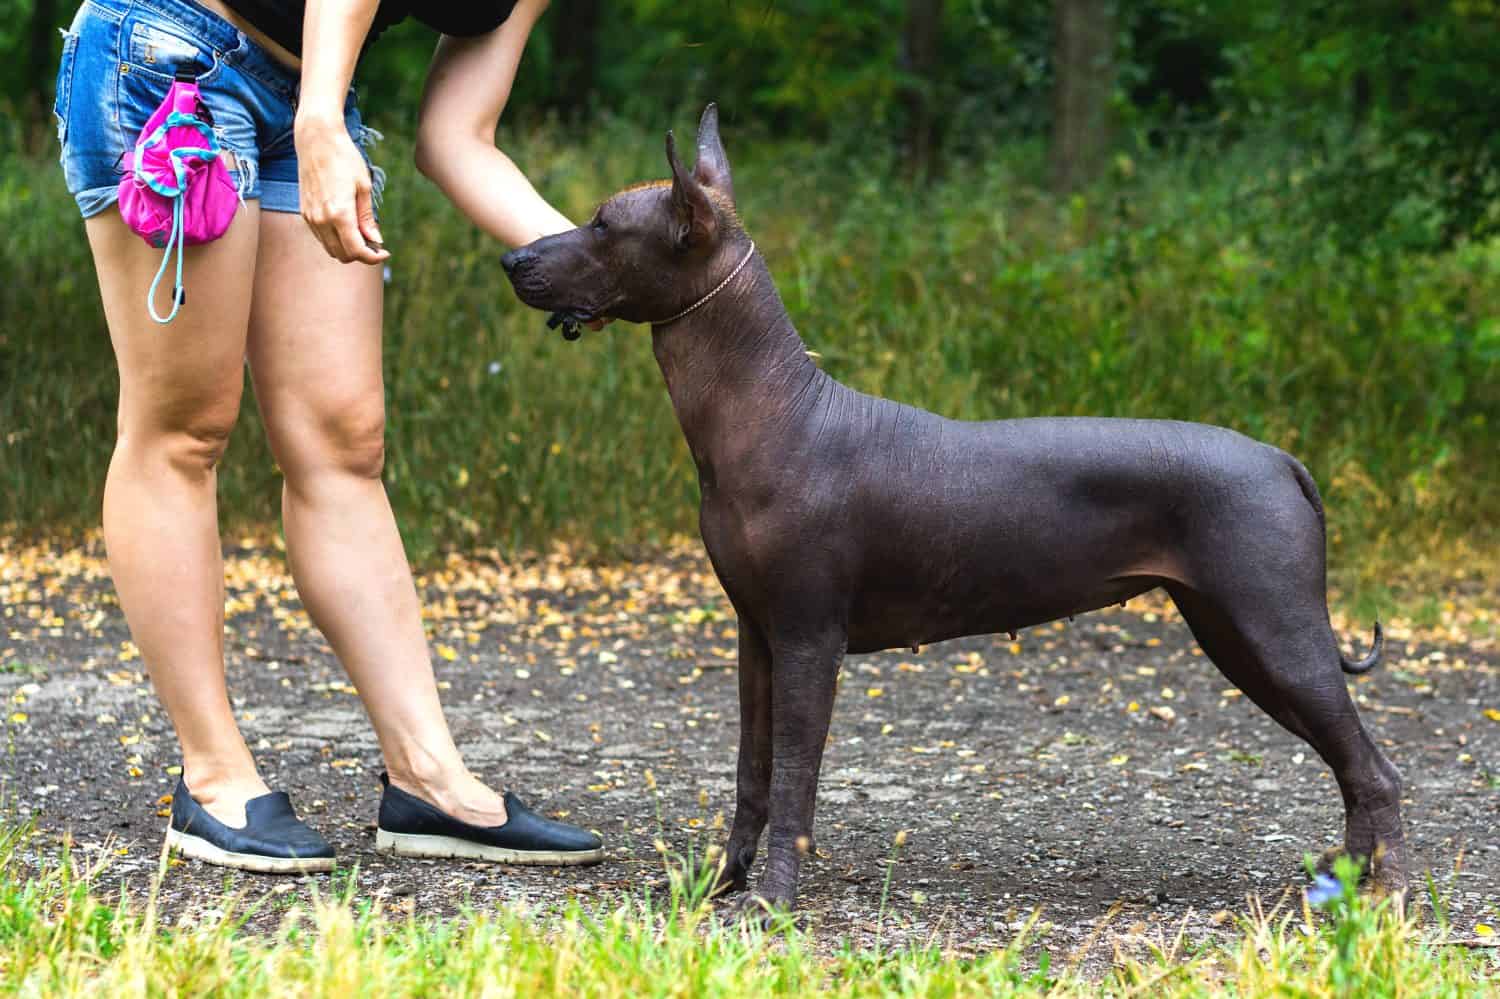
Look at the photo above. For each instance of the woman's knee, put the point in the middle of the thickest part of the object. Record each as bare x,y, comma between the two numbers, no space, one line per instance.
342,440
190,443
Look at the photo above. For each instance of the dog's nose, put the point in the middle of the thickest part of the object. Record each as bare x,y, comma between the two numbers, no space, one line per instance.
516,259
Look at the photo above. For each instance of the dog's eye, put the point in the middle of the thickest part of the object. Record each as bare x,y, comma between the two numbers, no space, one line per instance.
598,224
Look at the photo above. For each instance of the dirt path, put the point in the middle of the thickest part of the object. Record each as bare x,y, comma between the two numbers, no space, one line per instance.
1086,764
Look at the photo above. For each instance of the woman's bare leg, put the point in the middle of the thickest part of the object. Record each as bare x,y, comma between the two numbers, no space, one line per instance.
179,396
315,342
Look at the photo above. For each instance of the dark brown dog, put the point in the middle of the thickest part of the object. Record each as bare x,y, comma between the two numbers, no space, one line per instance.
840,522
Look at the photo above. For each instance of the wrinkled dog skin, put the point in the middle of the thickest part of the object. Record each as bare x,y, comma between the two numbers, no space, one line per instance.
838,522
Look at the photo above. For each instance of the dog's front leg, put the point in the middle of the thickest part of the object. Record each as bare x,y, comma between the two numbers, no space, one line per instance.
804,674
754,777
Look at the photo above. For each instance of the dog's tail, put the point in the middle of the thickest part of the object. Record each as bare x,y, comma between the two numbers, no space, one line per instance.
1369,662
1307,485
1310,493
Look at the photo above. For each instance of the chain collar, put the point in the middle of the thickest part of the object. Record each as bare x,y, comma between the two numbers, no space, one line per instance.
717,288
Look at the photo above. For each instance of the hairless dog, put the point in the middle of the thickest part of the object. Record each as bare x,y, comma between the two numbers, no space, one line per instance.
838,522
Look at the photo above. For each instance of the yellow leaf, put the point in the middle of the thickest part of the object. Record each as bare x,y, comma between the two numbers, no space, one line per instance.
19,717
876,692
1061,701
1483,930
1119,761
1133,706
447,652
1492,714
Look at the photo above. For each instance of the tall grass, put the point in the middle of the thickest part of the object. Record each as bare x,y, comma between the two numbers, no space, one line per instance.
57,937
1171,290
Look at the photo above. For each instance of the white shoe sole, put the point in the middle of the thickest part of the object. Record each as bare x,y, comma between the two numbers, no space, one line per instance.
450,847
201,849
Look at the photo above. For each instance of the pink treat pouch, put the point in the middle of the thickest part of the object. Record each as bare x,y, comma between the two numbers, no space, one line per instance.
177,190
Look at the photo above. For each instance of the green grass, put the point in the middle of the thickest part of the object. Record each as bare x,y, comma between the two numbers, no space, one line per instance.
58,937
1174,289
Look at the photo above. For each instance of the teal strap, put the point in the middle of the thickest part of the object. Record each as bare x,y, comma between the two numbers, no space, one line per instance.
173,240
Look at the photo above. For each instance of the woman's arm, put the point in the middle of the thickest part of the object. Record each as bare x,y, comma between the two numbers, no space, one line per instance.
336,189
467,88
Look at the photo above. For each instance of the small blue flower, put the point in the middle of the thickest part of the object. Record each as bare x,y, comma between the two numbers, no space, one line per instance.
494,367
1324,890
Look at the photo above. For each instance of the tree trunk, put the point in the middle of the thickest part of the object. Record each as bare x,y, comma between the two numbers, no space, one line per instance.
1084,80
41,60
919,50
575,44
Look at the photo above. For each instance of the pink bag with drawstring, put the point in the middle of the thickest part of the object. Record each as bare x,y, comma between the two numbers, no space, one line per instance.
177,190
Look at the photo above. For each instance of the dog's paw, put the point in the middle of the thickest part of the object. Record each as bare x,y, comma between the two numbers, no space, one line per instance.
754,910
1326,861
1382,875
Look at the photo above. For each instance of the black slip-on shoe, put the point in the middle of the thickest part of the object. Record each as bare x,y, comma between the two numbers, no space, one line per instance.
272,840
410,827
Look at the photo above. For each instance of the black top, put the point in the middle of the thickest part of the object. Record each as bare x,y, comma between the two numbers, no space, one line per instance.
282,19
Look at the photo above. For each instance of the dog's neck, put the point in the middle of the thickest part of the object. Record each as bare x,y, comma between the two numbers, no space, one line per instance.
736,367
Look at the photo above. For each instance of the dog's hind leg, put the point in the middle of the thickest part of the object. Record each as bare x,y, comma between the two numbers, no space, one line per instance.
1279,648
753,779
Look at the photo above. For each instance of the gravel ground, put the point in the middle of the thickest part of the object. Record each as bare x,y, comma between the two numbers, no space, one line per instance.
1101,772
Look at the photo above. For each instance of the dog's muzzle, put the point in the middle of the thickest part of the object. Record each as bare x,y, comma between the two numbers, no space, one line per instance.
517,260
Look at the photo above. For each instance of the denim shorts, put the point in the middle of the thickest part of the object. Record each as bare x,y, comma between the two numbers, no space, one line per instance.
118,61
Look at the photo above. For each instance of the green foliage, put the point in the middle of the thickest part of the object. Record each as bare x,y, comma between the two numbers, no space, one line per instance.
57,937
1391,93
1387,99
1165,292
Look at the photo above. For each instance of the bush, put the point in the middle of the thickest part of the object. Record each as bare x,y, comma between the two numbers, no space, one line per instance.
1171,290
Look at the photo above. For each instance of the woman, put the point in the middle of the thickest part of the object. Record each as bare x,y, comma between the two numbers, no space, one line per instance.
300,298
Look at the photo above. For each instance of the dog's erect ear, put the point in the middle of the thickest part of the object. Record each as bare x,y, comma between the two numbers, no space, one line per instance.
712,168
694,219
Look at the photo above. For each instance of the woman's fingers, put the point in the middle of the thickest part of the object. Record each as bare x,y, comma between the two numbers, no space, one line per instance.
364,210
350,230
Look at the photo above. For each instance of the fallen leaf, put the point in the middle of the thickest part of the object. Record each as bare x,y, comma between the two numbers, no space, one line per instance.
1119,761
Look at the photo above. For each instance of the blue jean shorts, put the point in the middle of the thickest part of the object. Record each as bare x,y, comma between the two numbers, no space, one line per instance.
118,62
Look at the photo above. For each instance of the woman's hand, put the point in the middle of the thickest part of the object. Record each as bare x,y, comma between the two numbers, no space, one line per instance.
337,192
